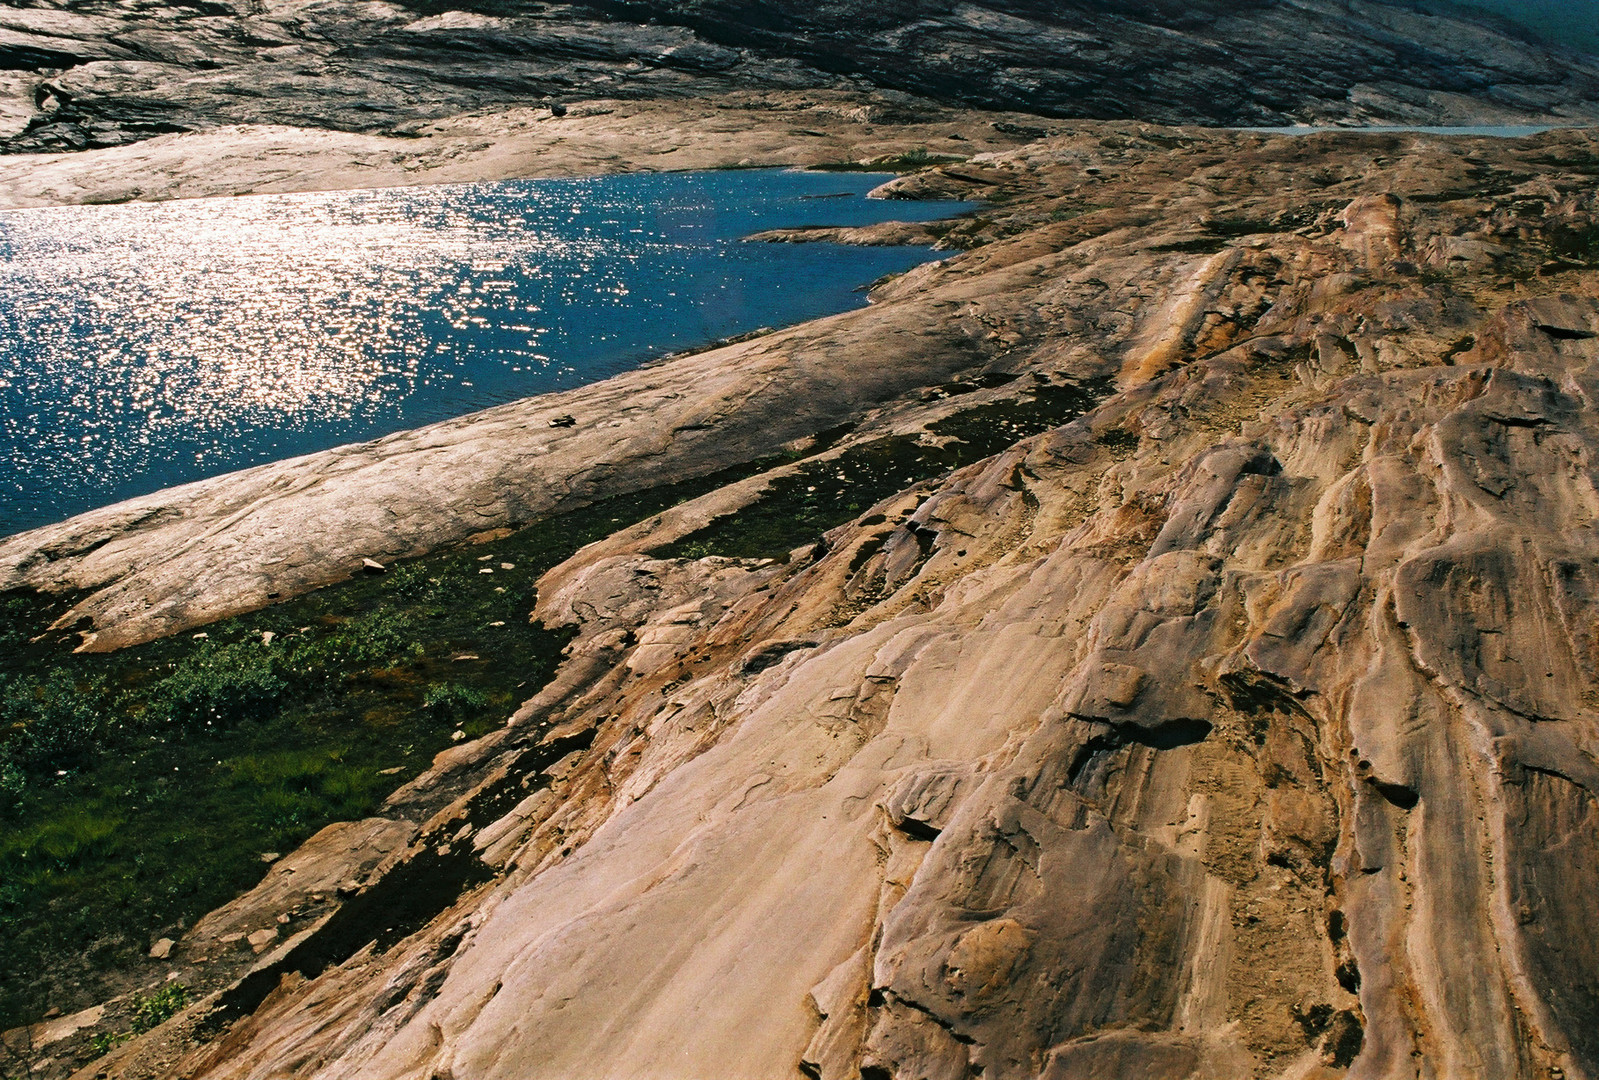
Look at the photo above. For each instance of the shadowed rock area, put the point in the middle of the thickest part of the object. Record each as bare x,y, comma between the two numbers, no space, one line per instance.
101,73
1240,725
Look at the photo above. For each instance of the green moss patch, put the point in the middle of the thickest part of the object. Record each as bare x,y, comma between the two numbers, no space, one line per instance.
822,494
909,162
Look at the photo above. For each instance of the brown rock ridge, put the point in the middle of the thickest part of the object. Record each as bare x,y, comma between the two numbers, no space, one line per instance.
1243,726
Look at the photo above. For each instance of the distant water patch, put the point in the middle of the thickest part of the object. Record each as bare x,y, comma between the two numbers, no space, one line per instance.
146,345
1571,24
1491,131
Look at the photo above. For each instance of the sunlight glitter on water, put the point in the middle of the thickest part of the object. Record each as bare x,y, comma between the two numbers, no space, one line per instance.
264,308
147,344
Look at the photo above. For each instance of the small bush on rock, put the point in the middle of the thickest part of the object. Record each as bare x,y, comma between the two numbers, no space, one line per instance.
154,1009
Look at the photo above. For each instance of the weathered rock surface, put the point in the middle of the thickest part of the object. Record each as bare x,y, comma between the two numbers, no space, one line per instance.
1242,727
98,73
603,135
1209,62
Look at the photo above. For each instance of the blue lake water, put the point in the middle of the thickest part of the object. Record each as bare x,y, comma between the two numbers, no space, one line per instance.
145,345
1492,131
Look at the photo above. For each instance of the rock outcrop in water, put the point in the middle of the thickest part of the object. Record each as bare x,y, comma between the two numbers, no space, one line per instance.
97,73
1242,726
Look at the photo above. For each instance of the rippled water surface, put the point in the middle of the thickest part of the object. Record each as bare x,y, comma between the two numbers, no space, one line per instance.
150,344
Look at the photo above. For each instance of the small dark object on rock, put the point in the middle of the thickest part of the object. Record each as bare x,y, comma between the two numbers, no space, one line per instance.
563,421
557,109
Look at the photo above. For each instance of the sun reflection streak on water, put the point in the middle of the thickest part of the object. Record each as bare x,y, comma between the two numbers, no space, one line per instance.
265,311
147,344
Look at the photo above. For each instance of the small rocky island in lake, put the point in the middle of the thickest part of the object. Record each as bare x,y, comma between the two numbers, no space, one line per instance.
1157,641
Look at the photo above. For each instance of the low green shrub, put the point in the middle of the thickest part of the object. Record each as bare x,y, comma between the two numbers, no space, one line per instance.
451,701
218,687
14,613
13,784
415,581
146,1013
152,1010
52,724
378,639
102,1043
